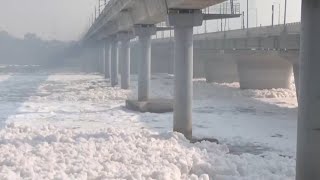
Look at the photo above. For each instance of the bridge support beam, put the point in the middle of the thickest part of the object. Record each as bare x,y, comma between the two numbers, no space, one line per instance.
107,58
308,146
144,32
114,62
124,57
183,22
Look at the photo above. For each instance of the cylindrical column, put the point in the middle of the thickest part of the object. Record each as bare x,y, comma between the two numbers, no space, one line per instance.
308,146
125,64
100,64
114,63
144,67
107,58
183,74
296,77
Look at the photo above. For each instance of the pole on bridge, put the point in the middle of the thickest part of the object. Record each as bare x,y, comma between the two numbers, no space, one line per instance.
107,58
285,12
279,14
124,57
144,32
114,61
308,146
247,14
243,20
272,17
183,22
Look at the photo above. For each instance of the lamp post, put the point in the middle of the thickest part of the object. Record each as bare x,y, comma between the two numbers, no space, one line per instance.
285,13
279,8
272,21
247,14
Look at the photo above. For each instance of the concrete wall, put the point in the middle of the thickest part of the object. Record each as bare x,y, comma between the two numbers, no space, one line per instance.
221,68
264,71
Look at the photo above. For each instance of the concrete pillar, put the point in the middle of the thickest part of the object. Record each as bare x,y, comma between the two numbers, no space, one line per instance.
100,51
296,77
221,68
107,58
144,32
263,70
96,59
183,22
124,57
114,62
293,58
308,146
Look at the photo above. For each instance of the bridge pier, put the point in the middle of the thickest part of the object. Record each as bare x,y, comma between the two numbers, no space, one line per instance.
263,70
144,103
107,58
124,57
144,32
293,58
183,22
90,58
296,73
308,146
100,64
221,68
114,61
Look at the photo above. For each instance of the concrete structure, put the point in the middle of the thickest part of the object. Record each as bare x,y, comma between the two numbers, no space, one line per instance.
114,61
218,52
217,55
124,57
308,146
264,70
152,105
144,32
126,15
183,22
144,103
220,68
107,58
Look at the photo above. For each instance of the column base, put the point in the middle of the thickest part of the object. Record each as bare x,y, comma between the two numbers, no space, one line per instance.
152,105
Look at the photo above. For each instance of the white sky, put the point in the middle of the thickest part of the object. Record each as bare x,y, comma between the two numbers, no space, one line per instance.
67,19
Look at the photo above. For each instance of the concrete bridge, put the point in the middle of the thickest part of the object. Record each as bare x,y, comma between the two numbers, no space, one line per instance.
122,20
258,58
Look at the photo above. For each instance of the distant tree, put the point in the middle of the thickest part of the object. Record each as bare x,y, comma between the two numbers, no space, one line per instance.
31,36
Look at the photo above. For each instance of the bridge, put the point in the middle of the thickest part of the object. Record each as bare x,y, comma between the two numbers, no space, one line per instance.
259,58
223,56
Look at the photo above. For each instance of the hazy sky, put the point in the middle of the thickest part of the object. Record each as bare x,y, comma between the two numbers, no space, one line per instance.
67,19
50,19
